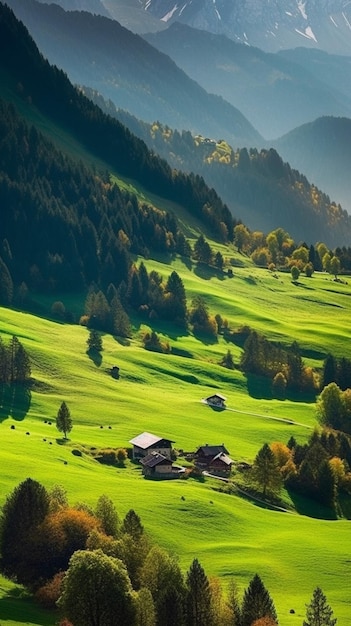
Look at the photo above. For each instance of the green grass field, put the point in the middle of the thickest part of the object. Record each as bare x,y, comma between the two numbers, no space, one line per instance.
162,394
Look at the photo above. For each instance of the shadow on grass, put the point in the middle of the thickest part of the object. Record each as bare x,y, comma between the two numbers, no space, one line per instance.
260,387
14,401
20,608
206,272
95,356
310,508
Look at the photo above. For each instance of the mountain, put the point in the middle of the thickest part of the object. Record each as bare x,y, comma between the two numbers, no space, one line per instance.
275,91
257,186
100,53
64,224
268,24
93,6
332,69
322,150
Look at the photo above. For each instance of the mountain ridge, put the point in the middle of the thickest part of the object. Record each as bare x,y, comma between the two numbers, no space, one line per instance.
98,52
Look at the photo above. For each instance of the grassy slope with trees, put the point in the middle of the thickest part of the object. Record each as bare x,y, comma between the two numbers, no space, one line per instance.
60,366
289,544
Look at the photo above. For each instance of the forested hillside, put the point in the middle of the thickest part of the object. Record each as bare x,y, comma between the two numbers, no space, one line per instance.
96,51
259,188
64,223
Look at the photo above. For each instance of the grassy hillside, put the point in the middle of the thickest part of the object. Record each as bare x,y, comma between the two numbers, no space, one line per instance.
162,394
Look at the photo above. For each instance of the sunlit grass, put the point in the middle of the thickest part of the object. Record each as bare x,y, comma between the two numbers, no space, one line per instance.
162,394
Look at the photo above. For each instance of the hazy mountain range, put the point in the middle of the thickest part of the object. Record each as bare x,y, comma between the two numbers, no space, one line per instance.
273,93
277,92
100,53
268,24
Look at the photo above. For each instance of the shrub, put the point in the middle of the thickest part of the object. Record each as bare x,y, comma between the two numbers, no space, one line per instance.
49,593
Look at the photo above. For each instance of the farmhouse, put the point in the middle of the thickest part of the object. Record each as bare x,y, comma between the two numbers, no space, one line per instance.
213,459
216,400
146,443
156,464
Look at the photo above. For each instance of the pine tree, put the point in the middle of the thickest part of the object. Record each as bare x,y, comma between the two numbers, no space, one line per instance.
199,597
265,471
94,340
318,612
329,374
257,603
24,510
64,420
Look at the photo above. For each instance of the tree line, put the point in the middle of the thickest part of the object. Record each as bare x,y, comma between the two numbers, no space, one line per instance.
319,469
102,571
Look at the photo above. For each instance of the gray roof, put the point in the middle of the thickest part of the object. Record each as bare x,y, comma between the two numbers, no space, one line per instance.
155,458
145,440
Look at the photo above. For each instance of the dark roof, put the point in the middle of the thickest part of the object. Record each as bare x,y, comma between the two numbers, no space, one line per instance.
155,458
212,450
216,395
146,440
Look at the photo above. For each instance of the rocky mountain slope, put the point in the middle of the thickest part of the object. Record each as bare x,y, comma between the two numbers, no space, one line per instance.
269,24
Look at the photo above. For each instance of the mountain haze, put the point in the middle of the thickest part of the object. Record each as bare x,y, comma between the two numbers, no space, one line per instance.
274,91
322,150
100,53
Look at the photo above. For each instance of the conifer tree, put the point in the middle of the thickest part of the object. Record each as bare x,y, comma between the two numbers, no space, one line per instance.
94,340
64,420
24,510
199,597
257,603
318,612
265,471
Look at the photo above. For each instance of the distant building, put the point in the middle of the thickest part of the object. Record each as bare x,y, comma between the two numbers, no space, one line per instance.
217,400
146,443
213,459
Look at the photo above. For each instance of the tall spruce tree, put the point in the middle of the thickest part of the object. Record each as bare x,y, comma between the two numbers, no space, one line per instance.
24,510
318,612
257,603
198,597
265,472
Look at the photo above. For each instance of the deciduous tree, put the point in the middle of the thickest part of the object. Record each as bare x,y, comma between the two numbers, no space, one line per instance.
97,591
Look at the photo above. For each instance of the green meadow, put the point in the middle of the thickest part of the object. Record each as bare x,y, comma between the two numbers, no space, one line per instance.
232,536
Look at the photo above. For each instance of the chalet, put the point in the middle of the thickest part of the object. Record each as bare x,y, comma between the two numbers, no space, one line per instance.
146,443
217,400
213,459
155,464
